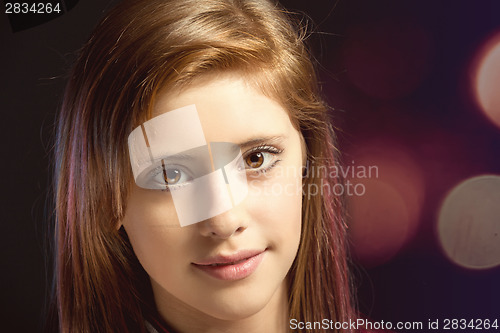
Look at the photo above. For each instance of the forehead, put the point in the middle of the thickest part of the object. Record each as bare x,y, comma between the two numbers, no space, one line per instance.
229,110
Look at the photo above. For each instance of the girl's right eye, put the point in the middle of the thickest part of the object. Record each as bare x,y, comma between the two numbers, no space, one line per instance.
171,176
168,177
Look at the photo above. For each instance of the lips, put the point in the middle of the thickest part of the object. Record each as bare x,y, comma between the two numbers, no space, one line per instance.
229,263
231,267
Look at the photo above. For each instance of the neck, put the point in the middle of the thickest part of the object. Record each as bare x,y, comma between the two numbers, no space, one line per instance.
273,317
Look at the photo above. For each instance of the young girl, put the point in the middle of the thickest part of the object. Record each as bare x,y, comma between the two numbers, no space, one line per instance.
169,103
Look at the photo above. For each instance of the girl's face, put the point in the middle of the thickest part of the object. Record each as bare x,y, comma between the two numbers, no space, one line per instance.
233,265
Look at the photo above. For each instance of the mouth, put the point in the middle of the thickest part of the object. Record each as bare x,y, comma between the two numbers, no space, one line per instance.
231,267
225,264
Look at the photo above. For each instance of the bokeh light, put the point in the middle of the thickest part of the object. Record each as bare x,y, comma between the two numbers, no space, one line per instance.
380,223
487,79
386,216
469,223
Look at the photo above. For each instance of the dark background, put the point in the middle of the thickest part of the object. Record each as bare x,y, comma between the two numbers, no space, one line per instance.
358,45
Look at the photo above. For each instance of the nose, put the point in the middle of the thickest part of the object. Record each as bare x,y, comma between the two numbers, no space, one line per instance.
225,225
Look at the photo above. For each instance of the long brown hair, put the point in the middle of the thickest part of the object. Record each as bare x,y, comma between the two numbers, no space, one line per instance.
139,48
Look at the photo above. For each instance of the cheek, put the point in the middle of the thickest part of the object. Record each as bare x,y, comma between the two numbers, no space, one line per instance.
164,254
150,225
277,206
149,208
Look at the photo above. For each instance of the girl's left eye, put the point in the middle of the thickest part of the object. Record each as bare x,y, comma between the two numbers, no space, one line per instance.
255,160
261,159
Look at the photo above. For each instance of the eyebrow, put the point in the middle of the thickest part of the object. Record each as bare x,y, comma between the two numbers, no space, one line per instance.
261,140
181,157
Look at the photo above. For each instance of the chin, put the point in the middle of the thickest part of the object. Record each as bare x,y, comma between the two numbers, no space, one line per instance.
235,311
237,303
